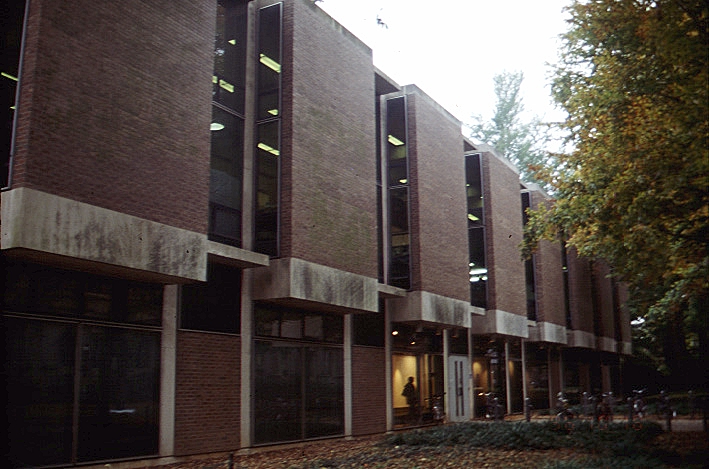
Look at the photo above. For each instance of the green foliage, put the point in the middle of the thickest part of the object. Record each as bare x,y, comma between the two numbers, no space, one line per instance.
520,142
634,190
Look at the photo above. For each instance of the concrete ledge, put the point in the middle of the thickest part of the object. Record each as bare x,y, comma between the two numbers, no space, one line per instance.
45,223
626,348
581,339
431,308
387,291
235,257
298,283
496,321
606,344
547,332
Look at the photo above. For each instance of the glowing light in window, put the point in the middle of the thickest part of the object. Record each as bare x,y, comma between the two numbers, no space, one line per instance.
232,42
216,126
226,85
268,148
394,141
7,75
273,112
270,63
403,181
472,217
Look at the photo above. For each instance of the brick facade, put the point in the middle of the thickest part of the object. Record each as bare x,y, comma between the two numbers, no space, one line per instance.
503,231
368,394
114,108
549,277
438,201
207,390
329,204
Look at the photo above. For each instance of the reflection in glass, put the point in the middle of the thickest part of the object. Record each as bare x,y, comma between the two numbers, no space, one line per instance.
228,82
225,179
477,266
267,188
40,383
118,402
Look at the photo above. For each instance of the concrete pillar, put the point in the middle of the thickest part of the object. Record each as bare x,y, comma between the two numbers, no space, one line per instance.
446,372
347,352
471,393
508,378
387,370
168,360
247,346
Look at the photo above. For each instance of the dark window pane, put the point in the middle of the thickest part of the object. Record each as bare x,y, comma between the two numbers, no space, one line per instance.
119,393
226,175
324,394
269,68
143,304
215,305
278,398
267,188
230,55
40,382
369,329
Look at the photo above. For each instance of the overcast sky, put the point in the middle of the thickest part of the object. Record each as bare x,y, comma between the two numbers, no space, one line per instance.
452,49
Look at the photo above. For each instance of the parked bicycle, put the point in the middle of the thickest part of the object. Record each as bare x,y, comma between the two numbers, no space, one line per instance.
563,411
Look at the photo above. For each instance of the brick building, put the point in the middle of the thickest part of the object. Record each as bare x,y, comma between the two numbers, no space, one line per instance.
223,227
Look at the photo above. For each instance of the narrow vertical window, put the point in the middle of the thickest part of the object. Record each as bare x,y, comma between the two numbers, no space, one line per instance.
529,267
11,37
227,126
477,266
398,194
268,120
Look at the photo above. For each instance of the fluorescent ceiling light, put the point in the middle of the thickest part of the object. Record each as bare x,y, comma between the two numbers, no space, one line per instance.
271,150
270,63
273,112
478,271
7,75
232,42
394,141
216,126
226,85
215,80
403,181
472,217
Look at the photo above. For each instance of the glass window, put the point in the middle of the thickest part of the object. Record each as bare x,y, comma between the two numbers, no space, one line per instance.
13,17
477,266
397,167
267,188
269,69
215,305
40,390
299,391
115,378
118,402
272,321
368,329
230,55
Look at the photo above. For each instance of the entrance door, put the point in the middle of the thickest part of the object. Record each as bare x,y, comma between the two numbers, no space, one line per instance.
458,389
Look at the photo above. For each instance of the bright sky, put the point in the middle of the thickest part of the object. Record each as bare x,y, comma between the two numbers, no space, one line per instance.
452,49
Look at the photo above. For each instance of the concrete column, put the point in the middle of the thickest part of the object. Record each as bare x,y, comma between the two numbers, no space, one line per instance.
471,393
449,393
348,374
523,345
168,360
387,370
508,378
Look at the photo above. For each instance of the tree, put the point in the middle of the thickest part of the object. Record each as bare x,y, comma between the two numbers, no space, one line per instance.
518,141
633,79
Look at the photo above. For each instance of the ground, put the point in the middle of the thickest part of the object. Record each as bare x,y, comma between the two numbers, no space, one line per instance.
369,452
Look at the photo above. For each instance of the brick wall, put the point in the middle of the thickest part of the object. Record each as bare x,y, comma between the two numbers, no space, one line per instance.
604,299
368,393
438,200
580,292
329,205
115,106
207,393
503,223
549,277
